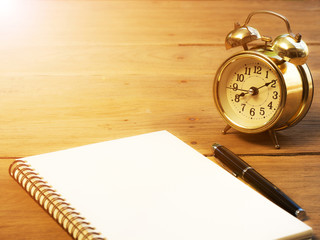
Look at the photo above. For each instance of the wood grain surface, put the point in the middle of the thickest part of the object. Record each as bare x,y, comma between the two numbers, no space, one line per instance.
80,72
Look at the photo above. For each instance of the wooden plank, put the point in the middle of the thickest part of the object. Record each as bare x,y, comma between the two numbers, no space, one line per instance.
148,22
110,60
118,60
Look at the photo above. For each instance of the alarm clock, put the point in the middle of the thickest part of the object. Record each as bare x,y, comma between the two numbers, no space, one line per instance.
265,87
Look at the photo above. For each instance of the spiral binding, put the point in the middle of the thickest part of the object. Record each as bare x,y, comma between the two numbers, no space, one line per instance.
52,202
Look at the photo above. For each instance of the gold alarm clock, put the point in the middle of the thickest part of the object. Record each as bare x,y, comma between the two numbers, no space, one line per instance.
267,87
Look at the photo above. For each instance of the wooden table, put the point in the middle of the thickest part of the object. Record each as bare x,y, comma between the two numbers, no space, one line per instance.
79,72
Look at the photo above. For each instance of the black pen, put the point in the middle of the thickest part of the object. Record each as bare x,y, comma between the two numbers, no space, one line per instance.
253,178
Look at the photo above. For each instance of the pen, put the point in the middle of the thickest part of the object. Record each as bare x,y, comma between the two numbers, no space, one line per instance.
242,169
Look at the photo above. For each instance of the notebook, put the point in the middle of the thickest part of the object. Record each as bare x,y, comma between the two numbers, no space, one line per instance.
149,187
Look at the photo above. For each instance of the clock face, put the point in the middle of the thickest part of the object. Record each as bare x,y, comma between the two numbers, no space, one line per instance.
248,92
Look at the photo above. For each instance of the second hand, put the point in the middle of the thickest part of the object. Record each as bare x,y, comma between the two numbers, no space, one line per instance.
239,89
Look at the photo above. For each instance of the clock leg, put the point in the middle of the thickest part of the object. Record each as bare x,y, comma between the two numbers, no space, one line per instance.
274,138
224,131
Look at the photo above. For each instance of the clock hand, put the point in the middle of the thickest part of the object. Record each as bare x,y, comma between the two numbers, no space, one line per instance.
242,94
267,84
239,89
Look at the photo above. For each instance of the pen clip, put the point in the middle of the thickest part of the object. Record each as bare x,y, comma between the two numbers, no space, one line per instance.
226,168
233,173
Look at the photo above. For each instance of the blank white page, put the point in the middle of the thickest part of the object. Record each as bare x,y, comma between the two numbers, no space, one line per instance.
155,187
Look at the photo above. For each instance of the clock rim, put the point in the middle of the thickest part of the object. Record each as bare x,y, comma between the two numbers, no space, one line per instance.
263,58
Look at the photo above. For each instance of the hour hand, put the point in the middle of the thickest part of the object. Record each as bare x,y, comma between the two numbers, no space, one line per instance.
243,94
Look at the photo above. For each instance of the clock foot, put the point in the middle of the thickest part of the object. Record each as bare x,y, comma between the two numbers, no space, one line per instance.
225,130
274,138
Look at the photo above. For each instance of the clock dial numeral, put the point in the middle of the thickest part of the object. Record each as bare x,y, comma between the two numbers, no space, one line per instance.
237,98
243,106
247,71
257,69
235,87
240,77
275,95
252,111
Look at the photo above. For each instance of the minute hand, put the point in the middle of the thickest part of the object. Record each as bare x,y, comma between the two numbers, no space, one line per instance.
267,84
